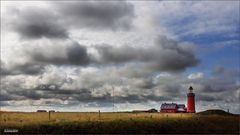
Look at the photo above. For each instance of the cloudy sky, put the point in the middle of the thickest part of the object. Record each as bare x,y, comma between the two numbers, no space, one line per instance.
77,56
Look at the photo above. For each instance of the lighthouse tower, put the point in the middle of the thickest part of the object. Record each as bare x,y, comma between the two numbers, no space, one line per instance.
190,101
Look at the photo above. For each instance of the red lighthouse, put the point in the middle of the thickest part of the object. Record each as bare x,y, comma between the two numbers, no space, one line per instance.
190,101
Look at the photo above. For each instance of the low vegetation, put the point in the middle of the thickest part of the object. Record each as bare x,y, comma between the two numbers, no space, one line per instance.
119,123
216,112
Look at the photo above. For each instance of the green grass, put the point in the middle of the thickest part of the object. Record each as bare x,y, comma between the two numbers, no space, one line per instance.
118,123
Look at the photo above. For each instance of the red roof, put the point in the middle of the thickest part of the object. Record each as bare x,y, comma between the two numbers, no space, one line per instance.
172,108
169,106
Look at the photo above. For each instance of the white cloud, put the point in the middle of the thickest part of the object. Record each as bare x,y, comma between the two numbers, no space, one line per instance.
198,75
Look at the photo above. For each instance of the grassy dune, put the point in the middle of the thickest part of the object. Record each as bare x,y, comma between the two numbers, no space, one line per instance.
155,123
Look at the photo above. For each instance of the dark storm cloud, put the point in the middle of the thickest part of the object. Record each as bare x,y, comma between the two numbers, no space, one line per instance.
32,69
4,103
73,54
166,55
96,15
33,23
13,94
171,90
86,96
83,95
142,82
77,54
212,87
208,98
6,97
60,17
138,98
28,94
174,55
221,71
227,95
147,84
27,68
156,98
218,84
55,89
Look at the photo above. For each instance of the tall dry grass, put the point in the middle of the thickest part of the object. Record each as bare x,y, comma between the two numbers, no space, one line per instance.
72,122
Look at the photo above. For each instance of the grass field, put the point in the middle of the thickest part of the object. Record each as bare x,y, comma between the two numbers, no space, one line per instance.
117,123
